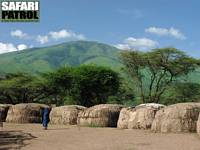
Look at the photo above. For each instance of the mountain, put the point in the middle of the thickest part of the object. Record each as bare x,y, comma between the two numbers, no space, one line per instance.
71,53
74,53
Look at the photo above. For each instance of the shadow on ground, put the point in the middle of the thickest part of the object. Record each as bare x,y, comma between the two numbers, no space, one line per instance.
13,140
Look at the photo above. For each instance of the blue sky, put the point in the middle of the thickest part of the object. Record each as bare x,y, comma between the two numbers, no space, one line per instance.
134,24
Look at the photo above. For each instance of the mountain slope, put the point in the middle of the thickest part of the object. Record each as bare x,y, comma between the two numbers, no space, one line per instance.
71,53
75,53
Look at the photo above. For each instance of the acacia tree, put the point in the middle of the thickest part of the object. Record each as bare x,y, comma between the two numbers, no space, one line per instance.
154,71
57,84
94,84
20,88
85,85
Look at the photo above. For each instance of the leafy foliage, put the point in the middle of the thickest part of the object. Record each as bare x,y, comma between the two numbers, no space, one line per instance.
154,75
154,71
19,87
182,92
84,85
93,85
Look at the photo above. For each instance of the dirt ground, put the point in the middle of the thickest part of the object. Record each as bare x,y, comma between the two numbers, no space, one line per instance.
33,137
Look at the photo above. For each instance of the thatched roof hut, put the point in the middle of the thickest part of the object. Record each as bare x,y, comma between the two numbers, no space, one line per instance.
3,112
140,117
66,115
180,117
25,113
124,118
198,125
104,115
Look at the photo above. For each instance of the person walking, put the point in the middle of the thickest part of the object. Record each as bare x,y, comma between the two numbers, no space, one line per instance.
45,118
1,121
1,125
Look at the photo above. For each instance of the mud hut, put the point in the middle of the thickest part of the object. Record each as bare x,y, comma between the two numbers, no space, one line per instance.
3,112
124,118
139,117
180,117
104,115
66,115
198,125
25,113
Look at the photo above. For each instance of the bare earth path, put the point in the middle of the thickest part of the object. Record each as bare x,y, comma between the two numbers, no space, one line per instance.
32,137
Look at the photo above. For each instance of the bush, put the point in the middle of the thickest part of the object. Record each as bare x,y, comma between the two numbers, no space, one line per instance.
182,92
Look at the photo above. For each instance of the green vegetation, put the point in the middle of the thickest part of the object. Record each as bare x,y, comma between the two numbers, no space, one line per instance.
58,75
37,60
83,85
154,72
41,60
19,87
181,92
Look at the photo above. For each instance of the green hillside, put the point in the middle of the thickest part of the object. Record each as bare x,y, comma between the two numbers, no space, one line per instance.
72,53
75,53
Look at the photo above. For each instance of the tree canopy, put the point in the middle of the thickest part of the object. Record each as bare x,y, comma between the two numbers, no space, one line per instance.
154,71
20,87
83,85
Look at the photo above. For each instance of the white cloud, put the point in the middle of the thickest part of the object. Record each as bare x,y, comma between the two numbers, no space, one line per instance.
59,35
157,31
123,46
79,37
19,34
9,47
50,36
166,32
42,39
137,43
177,34
22,47
64,34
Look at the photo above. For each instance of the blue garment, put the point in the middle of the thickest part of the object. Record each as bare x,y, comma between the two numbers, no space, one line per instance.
45,117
